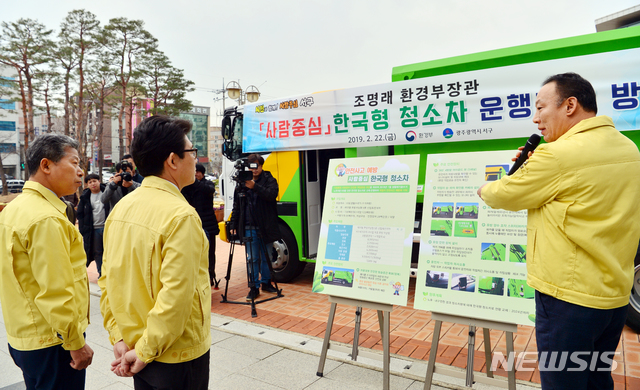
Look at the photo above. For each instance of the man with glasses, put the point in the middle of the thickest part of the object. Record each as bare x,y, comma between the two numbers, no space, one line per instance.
581,190
156,297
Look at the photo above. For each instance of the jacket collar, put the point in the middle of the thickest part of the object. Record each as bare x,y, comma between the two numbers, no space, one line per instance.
47,194
161,184
588,124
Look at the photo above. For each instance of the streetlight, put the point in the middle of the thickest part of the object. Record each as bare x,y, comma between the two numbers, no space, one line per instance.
235,92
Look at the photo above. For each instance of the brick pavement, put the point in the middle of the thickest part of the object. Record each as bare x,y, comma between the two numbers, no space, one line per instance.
304,312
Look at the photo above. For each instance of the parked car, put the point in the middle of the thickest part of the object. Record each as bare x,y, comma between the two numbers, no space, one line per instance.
13,186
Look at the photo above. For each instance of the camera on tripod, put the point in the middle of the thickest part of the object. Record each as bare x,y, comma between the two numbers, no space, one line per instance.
126,176
243,171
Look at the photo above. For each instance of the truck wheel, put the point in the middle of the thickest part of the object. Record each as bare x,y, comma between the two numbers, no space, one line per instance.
633,313
286,262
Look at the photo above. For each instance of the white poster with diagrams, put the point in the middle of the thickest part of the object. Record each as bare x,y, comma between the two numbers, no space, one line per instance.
364,251
472,259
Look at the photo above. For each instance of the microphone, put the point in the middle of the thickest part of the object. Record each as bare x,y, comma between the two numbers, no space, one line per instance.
530,146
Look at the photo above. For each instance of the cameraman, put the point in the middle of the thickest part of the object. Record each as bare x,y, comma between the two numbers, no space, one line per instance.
260,223
120,184
137,177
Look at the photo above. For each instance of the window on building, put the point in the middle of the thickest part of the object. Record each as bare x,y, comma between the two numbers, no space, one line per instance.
7,126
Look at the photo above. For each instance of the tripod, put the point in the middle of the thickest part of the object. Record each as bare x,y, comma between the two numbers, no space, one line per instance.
250,256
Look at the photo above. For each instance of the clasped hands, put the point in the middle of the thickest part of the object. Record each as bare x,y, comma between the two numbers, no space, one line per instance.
127,362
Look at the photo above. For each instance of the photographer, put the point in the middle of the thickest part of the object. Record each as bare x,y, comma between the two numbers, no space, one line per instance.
120,184
260,223
137,177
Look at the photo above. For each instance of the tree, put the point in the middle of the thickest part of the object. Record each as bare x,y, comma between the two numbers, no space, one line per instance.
66,58
47,83
100,91
166,86
24,45
78,31
125,42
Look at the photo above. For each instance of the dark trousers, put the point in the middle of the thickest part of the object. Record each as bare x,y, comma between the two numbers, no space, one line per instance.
191,375
212,257
563,328
48,369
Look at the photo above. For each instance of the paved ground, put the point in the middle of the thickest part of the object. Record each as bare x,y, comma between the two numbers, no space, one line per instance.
280,348
304,312
252,356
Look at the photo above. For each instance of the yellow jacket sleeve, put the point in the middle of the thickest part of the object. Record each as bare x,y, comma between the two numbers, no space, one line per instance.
533,185
109,321
50,251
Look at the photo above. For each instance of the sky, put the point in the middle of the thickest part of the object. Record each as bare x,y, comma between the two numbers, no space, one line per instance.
293,47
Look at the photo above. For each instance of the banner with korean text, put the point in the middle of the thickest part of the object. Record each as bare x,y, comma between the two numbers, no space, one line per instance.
364,251
485,104
472,259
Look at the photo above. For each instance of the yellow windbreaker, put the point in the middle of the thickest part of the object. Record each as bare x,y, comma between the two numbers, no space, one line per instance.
44,287
582,193
155,280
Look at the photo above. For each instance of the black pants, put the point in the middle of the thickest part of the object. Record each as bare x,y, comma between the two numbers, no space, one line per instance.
212,257
48,369
576,344
191,375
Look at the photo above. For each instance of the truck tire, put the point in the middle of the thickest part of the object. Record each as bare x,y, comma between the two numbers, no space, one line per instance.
286,261
633,313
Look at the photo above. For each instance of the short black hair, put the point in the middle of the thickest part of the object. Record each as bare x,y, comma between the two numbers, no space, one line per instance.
255,158
200,168
155,139
50,146
126,156
91,176
573,85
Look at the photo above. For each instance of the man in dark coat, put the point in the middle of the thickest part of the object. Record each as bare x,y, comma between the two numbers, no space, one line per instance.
260,224
200,195
92,214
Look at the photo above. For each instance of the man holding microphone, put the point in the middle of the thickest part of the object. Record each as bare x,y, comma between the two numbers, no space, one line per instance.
581,190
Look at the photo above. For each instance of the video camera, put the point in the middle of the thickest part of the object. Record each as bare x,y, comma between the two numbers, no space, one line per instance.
243,171
126,176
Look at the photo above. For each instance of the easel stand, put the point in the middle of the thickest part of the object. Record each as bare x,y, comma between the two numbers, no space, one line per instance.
473,323
384,313
253,302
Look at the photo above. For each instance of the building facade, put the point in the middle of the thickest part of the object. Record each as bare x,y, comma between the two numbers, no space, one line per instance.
10,113
199,135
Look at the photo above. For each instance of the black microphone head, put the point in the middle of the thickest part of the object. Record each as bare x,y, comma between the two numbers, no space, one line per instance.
531,145
534,140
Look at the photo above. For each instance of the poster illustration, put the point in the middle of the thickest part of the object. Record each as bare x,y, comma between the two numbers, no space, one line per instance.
472,259
364,250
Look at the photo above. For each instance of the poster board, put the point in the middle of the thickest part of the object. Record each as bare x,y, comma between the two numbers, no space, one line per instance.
364,250
472,260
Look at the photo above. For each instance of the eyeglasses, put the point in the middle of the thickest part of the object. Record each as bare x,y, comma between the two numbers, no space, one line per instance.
194,152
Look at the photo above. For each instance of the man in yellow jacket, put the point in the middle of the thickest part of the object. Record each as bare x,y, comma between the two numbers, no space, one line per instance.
44,287
156,296
581,190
